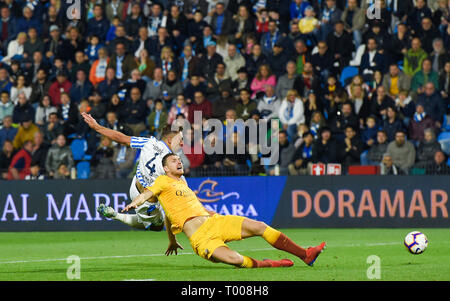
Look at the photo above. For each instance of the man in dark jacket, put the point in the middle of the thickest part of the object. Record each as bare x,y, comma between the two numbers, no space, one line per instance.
341,45
324,148
135,112
433,104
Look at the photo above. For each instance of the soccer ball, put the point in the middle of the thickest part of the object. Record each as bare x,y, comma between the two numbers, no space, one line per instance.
416,242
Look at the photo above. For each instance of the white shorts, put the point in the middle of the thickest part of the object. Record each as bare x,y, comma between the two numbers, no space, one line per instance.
148,213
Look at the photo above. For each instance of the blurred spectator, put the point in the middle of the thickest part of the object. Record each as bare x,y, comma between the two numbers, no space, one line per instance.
286,153
62,172
286,81
35,172
102,160
432,103
200,104
354,20
377,150
81,88
98,108
6,106
23,109
427,34
157,118
427,148
153,89
322,61
340,44
39,151
208,61
424,76
419,123
388,168
245,105
369,132
5,82
135,112
7,132
57,155
220,106
26,132
20,86
109,86
8,26
263,78
278,59
171,87
439,56
61,85
123,159
194,152
6,156
269,104
413,58
98,25
395,81
68,113
402,152
44,110
98,69
307,82
380,102
345,117
122,62
145,65
52,128
21,162
56,46
353,147
439,165
179,107
392,123
329,16
40,87
324,148
303,156
16,48
291,113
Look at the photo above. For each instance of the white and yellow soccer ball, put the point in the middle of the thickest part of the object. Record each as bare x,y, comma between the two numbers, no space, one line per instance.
416,242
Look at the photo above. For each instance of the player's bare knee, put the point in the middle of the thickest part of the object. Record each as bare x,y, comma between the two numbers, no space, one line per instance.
260,227
234,258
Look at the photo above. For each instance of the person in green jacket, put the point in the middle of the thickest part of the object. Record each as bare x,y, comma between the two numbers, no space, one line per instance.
414,58
158,118
425,75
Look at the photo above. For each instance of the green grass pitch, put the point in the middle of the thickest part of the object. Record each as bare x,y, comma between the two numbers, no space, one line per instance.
139,255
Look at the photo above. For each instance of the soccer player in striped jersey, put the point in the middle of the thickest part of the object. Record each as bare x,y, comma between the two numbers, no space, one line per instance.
148,216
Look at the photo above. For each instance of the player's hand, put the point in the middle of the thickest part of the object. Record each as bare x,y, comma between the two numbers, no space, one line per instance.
173,247
132,205
90,121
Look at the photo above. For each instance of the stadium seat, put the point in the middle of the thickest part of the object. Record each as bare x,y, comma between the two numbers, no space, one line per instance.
83,170
79,148
445,123
444,140
347,73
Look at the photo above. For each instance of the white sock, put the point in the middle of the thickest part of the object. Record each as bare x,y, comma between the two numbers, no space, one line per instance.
129,219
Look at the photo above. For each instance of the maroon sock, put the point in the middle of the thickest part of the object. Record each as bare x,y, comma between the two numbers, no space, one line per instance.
286,244
260,264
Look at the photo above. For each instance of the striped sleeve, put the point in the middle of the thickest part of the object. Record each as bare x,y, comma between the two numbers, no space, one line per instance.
138,142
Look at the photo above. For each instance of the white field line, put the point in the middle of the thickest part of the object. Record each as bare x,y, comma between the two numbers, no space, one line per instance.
187,253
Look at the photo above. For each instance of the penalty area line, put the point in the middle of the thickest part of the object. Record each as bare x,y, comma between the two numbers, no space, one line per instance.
185,253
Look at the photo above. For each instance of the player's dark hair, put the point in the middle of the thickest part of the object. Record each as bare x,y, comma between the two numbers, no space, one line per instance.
168,131
166,157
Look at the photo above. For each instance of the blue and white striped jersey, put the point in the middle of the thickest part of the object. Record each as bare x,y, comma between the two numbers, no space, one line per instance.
150,160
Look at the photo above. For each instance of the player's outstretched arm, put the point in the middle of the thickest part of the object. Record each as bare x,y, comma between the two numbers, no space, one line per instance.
139,200
111,134
173,244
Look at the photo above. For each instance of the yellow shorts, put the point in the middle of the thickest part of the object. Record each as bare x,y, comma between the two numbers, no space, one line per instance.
215,232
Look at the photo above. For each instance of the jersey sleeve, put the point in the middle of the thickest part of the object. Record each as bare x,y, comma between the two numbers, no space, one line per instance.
158,186
138,142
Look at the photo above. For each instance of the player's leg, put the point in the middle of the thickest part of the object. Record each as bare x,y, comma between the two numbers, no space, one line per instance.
128,219
228,256
279,240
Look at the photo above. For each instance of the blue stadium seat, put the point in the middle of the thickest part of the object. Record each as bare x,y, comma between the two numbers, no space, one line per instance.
79,148
444,140
83,170
445,123
348,72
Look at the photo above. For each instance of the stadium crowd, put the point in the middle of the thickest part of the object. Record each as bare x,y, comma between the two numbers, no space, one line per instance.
346,86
